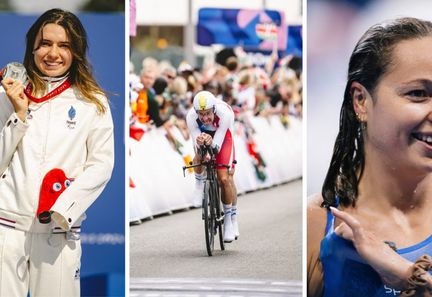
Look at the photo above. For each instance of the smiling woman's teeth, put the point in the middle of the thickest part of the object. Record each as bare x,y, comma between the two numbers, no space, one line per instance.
423,137
426,138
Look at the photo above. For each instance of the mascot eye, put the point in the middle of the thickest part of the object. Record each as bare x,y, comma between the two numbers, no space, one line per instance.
57,187
67,183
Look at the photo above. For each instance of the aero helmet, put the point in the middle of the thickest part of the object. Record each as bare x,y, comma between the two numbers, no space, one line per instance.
204,100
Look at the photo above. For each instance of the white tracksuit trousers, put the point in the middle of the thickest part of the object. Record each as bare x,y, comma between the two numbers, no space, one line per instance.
48,264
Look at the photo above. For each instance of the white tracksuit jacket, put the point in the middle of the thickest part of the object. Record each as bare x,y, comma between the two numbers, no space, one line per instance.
64,132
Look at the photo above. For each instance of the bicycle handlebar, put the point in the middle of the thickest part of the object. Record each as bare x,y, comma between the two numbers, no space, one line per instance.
211,162
204,149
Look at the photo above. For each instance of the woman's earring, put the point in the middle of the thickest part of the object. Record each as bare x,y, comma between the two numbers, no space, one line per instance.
362,124
361,121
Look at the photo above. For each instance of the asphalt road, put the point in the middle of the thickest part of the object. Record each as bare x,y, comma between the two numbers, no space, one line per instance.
168,254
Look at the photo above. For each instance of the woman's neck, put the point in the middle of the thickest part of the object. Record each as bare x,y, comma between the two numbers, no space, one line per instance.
386,185
54,79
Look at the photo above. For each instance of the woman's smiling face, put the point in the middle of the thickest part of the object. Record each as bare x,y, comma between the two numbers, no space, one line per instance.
52,51
399,118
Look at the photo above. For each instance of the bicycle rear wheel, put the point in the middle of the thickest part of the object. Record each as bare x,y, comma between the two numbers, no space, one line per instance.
209,218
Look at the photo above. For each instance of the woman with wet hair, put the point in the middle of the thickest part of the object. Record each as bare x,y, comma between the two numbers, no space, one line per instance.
369,231
56,156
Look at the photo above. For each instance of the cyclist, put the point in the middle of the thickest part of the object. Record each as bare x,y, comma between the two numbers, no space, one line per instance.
210,122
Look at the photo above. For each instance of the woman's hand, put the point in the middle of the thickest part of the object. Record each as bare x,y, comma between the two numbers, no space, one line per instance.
393,269
15,92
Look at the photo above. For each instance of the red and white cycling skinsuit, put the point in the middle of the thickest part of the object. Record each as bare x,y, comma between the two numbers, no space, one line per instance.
221,131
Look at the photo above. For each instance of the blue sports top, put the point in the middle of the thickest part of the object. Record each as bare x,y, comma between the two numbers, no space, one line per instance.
346,274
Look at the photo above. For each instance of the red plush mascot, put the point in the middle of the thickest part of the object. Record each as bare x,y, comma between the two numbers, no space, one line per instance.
53,184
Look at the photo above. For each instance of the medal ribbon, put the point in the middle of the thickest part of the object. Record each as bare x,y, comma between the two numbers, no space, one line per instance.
57,91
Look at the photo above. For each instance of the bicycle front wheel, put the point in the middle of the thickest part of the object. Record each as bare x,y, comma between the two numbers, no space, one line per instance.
208,215
219,216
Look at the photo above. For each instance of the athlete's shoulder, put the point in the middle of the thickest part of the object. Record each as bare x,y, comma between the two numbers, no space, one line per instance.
314,201
191,113
316,214
98,97
316,220
191,116
223,108
222,104
104,100
102,97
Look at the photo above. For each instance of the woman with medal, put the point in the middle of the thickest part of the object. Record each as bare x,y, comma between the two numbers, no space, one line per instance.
370,229
56,156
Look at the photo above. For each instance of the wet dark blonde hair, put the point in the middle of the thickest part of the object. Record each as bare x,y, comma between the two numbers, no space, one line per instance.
80,72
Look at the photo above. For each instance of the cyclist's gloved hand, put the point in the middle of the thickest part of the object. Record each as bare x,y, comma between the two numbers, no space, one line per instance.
200,140
207,139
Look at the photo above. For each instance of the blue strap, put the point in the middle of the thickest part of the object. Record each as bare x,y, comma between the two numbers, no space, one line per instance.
331,219
330,222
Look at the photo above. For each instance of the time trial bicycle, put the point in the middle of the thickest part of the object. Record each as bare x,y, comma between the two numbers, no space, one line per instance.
212,213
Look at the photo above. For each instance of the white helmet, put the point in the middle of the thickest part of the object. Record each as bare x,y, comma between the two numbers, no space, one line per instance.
204,100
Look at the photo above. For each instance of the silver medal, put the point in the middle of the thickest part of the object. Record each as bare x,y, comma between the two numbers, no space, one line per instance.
16,71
